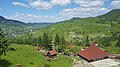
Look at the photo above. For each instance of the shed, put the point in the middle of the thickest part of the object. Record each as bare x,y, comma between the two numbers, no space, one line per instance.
51,54
70,46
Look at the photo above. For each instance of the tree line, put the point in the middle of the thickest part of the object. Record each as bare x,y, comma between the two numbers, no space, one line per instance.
46,40
3,43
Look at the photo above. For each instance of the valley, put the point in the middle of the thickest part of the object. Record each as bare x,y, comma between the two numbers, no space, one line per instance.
57,44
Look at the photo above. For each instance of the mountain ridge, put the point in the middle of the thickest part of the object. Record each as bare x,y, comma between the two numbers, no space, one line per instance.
14,27
112,15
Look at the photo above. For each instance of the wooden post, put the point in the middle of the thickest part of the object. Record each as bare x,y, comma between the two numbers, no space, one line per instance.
37,47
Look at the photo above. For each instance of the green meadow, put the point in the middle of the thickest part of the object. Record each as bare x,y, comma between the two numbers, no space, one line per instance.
27,56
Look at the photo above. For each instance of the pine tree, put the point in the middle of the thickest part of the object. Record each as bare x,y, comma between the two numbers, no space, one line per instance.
50,43
87,41
47,41
118,42
3,43
60,43
40,41
57,41
63,43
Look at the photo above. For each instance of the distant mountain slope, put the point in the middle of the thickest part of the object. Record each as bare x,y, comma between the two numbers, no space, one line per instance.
38,24
79,28
8,22
15,27
112,15
2,18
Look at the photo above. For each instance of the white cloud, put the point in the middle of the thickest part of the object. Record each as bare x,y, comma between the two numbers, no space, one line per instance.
43,4
32,18
87,8
89,3
115,4
103,9
83,12
39,4
60,2
20,4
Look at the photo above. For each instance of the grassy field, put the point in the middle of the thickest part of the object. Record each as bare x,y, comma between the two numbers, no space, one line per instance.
29,57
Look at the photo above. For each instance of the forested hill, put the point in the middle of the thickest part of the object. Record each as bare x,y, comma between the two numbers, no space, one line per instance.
99,25
9,22
112,15
76,30
14,28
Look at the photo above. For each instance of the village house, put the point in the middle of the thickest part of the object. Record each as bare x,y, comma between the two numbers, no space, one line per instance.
51,54
93,53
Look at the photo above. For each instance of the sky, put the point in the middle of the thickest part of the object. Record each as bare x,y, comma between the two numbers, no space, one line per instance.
54,10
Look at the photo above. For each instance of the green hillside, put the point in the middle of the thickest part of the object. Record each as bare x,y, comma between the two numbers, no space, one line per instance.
79,31
78,28
88,26
113,15
27,56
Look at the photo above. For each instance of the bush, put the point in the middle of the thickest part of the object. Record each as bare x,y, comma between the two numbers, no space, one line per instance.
46,65
12,49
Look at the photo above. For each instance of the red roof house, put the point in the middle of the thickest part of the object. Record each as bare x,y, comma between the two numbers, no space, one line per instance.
93,53
51,54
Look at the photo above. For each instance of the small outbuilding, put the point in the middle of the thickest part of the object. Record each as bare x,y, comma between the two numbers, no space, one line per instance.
70,46
51,54
93,53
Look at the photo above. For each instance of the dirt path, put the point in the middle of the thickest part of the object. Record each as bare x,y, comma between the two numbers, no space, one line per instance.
81,64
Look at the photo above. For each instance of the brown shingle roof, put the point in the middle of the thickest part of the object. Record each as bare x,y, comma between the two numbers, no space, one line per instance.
52,52
93,53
